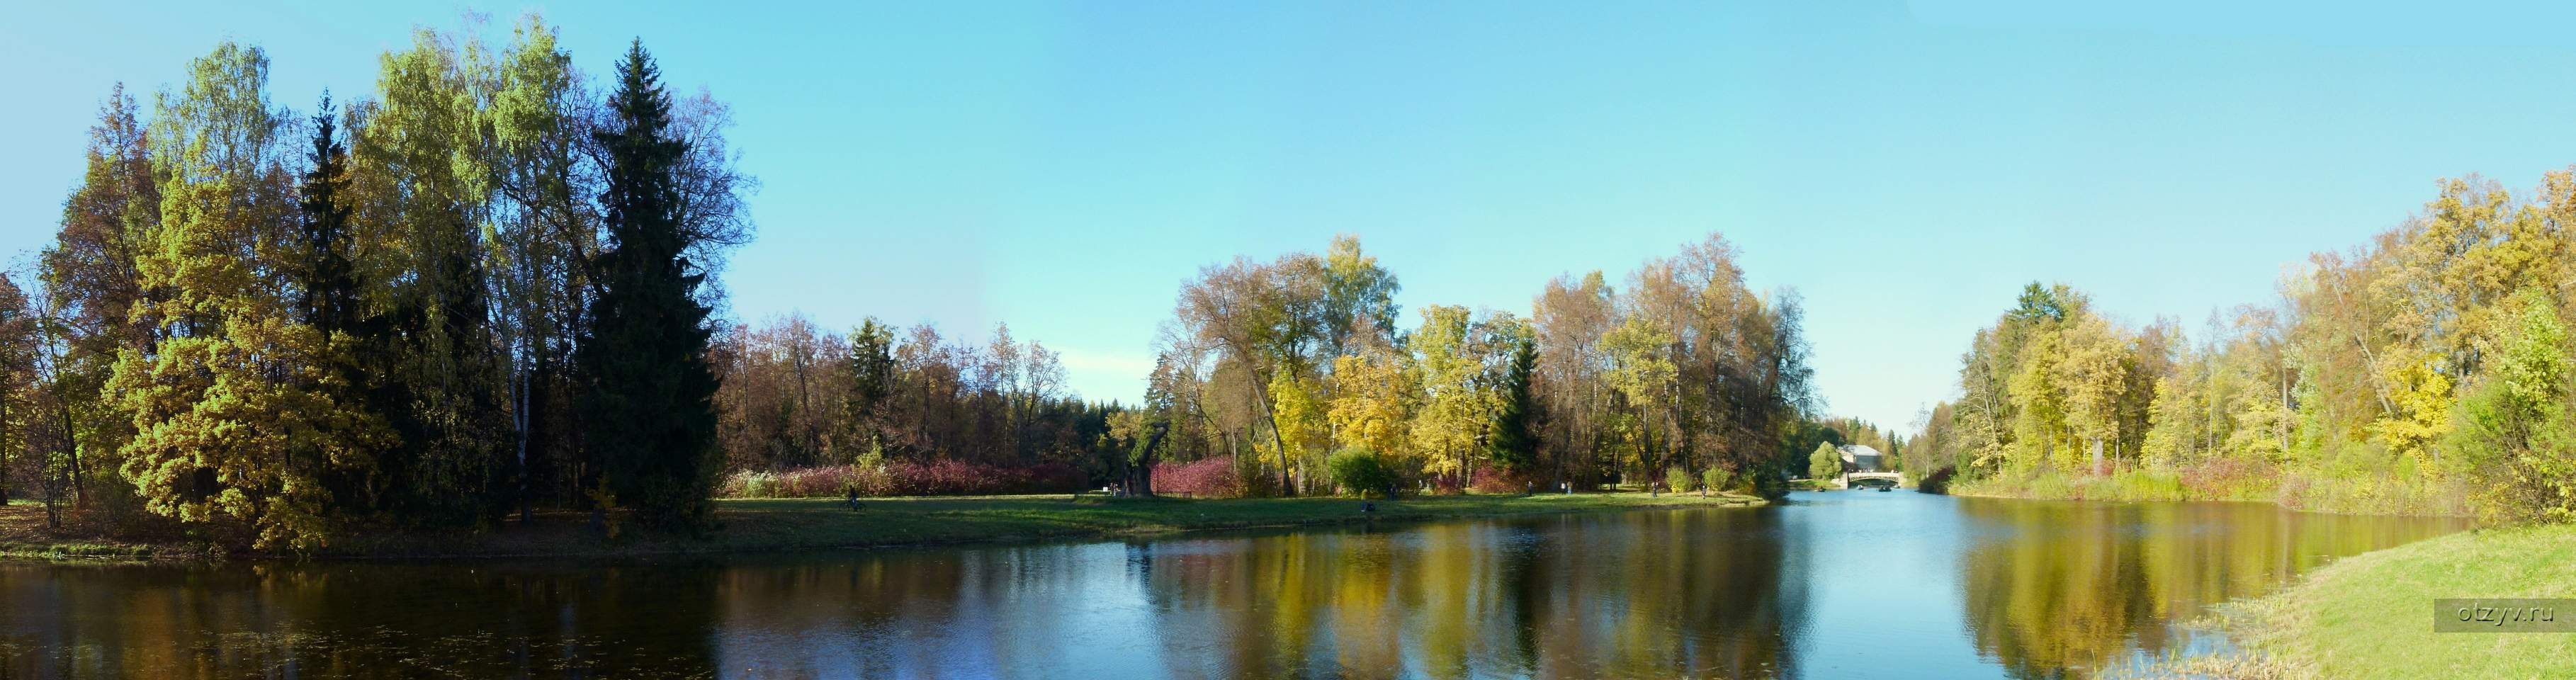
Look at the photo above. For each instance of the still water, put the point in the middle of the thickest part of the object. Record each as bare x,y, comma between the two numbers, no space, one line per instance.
1833,585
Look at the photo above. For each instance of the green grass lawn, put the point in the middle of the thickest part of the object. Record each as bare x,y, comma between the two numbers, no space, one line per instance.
2370,616
805,523
765,525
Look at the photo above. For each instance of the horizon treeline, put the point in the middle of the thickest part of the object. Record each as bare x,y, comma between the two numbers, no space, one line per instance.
1276,368
2428,371
482,287
796,396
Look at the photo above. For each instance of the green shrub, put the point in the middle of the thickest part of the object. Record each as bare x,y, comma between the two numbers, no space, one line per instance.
1679,480
1717,479
1359,471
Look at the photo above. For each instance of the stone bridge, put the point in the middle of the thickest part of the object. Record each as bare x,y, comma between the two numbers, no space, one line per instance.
1871,479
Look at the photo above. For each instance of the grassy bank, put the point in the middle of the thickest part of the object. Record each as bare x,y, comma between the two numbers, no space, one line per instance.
769,525
2358,494
2370,616
2119,486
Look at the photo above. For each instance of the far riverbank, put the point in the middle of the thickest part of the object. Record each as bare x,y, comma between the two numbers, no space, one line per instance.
2344,497
777,525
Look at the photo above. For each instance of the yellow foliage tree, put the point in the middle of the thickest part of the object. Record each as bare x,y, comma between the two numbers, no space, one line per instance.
2092,374
2421,394
1642,372
1372,402
1454,407
1298,407
231,408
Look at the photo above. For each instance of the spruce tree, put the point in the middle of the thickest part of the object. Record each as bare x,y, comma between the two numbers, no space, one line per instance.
330,286
649,399
1514,441
329,299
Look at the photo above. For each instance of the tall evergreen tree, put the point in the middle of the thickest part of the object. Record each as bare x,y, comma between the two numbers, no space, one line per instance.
1514,441
330,286
327,283
649,403
870,370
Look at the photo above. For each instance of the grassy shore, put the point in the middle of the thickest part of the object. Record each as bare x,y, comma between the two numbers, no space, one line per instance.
2306,492
2370,616
770,525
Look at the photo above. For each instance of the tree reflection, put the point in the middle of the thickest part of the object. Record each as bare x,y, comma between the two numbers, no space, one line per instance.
2056,586
2048,590
351,621
1630,595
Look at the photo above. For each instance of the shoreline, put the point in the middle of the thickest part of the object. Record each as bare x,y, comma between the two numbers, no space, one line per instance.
2370,615
756,526
2136,487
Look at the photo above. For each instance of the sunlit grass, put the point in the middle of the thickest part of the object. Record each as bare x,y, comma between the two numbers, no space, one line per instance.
2371,616
2340,486
793,523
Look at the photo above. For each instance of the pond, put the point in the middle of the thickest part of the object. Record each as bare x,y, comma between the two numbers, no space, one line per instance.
1832,585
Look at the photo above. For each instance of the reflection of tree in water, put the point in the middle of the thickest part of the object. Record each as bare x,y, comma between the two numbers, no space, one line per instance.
2058,586
1626,595
1647,594
354,621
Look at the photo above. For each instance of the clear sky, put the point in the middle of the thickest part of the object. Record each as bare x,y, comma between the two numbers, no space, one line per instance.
1063,167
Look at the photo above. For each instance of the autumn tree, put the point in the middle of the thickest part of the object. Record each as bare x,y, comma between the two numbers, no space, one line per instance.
1644,379
231,422
2520,435
18,356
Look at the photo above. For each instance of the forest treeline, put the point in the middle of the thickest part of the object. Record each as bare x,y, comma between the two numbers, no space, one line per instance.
487,287
1297,376
2426,372
482,287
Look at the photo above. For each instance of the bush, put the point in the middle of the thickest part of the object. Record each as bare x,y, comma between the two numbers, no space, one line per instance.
1212,477
960,478
813,482
1717,479
1360,471
1492,481
905,478
1678,479
1939,482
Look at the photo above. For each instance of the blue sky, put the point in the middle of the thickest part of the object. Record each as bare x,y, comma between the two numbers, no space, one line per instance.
1064,167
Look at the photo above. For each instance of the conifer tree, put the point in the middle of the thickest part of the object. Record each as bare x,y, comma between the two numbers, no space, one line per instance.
1514,441
327,283
649,403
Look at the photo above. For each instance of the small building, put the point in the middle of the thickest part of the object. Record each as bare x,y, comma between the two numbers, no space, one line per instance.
1862,458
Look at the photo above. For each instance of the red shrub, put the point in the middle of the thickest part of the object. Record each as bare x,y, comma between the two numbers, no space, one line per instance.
906,478
1205,478
1492,481
960,478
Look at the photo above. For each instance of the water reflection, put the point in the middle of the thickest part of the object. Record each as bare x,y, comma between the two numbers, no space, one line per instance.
1841,585
2052,586
1650,594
